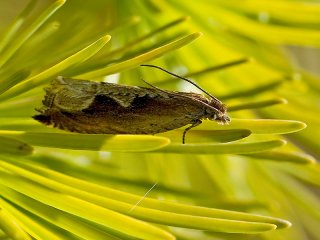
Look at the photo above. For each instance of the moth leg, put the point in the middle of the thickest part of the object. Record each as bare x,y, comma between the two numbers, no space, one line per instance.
194,124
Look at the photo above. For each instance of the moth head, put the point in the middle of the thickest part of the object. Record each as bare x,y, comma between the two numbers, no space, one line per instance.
218,112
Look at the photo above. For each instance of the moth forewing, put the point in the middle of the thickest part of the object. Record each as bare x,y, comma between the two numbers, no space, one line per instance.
104,108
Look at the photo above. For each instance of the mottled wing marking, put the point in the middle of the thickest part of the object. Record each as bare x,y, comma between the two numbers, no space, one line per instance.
73,91
124,96
65,96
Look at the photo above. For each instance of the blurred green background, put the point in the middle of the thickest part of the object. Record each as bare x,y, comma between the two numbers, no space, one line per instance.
256,178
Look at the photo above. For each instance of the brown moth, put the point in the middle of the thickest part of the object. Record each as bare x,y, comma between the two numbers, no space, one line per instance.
98,107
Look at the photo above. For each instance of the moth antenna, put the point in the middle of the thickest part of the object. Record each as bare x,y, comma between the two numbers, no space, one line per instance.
186,79
179,95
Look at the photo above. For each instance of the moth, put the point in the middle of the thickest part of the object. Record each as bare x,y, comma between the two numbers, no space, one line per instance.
105,108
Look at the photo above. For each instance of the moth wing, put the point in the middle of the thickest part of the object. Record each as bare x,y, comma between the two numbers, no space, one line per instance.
122,94
72,95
